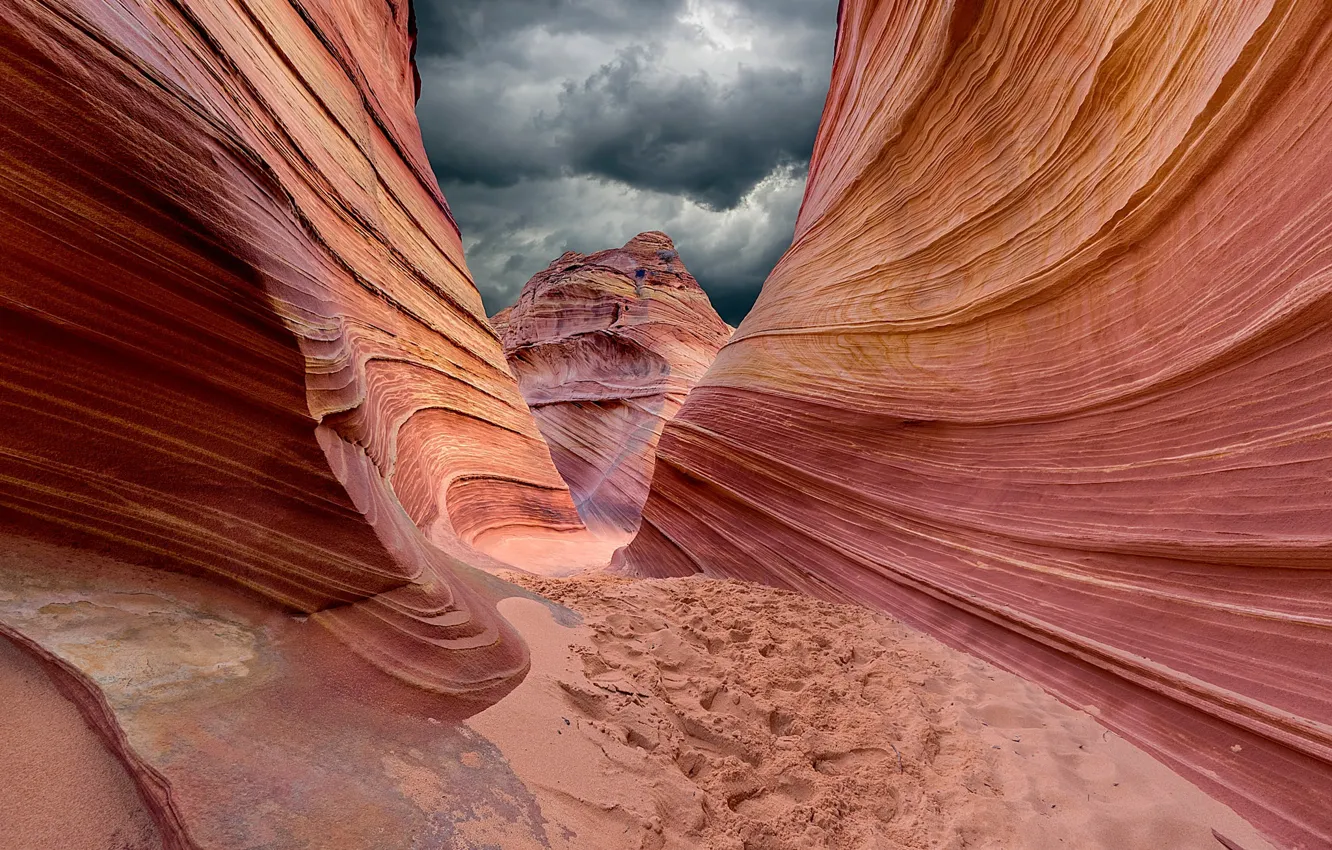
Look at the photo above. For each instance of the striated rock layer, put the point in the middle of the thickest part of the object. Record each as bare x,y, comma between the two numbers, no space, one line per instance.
1045,372
240,343
605,347
240,336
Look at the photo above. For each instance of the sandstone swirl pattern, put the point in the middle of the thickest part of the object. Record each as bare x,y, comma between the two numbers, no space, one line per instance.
240,344
1046,371
240,338
605,348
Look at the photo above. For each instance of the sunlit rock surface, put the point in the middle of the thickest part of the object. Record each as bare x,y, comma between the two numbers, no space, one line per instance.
242,357
605,347
1046,372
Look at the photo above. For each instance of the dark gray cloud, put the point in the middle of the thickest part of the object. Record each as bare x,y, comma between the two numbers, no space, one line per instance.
460,27
558,125
709,141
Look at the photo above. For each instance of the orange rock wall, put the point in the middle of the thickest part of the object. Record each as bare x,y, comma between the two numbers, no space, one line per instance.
237,324
1045,372
605,347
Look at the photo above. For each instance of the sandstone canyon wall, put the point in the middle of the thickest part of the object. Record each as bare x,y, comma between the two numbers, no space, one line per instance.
605,347
245,379
1045,372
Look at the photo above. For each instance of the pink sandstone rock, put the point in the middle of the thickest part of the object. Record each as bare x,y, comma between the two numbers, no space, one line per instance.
605,347
250,398
1045,372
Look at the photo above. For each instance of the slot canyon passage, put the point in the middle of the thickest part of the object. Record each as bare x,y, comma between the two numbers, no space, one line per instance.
1002,520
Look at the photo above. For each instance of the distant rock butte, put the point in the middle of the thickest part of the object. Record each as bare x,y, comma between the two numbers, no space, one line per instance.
605,347
242,355
1045,372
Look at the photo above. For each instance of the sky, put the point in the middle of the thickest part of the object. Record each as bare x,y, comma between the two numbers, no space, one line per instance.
573,125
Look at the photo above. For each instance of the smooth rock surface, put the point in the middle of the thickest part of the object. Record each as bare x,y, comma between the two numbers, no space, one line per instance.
240,726
605,347
1045,372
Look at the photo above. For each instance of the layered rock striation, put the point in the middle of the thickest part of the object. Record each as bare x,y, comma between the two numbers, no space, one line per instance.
246,379
605,347
1045,372
240,336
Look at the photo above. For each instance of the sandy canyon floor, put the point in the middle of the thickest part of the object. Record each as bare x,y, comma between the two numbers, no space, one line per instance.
694,713
687,714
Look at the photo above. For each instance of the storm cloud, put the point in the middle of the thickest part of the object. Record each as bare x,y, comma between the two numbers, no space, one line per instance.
559,125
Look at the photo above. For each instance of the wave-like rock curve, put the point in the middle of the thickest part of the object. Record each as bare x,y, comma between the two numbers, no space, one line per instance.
236,315
252,420
605,347
1045,372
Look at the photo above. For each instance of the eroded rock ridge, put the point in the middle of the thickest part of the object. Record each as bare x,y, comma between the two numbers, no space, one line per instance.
605,347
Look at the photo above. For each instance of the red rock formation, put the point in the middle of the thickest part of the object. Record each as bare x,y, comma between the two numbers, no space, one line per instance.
605,347
240,342
238,325
1045,372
